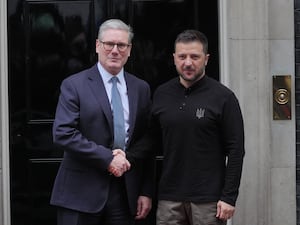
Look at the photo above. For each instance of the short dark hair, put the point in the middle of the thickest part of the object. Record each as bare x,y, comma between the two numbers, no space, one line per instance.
192,35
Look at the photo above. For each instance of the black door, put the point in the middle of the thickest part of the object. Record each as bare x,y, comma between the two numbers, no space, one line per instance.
48,41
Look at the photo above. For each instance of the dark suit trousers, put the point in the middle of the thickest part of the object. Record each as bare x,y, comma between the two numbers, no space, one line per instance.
115,212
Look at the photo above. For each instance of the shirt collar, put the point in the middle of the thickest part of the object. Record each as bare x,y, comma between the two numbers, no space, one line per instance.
106,76
197,84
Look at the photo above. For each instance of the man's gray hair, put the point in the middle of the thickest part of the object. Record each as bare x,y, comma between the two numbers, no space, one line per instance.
117,25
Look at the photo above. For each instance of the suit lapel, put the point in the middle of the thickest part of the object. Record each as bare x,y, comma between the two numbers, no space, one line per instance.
132,101
98,89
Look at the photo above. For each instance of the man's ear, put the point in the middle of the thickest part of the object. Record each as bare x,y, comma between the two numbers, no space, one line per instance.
207,58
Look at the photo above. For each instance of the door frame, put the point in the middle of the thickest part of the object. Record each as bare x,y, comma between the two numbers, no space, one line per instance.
223,42
4,116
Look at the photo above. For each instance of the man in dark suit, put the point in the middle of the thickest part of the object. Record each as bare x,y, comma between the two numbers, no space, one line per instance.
97,182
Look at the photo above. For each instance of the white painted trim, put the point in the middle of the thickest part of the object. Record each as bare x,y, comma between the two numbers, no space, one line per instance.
223,48
223,42
4,115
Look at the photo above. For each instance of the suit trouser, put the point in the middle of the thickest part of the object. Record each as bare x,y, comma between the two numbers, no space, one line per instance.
115,212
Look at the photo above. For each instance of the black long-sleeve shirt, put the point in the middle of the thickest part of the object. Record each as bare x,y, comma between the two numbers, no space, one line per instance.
203,141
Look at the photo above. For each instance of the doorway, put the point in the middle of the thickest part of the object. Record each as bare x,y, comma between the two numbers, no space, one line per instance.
50,40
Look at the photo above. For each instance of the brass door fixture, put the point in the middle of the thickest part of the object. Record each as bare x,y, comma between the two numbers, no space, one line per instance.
282,97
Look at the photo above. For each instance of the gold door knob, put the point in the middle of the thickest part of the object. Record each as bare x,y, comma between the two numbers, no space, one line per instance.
282,96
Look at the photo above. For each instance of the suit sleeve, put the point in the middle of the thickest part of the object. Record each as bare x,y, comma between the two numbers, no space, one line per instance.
68,135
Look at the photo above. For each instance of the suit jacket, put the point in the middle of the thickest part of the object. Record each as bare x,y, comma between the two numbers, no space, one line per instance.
83,128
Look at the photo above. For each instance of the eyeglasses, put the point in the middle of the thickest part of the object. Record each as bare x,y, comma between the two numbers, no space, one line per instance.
108,46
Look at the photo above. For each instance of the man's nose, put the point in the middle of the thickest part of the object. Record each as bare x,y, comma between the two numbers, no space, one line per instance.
115,48
188,61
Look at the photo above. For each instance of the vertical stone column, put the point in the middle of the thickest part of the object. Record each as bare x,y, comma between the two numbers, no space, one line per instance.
257,42
283,145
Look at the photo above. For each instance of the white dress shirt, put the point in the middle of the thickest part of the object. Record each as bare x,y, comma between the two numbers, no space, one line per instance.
106,76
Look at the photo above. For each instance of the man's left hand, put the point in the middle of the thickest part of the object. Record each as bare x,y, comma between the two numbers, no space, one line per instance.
224,210
144,206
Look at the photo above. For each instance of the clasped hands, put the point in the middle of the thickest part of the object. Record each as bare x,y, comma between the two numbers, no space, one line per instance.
119,165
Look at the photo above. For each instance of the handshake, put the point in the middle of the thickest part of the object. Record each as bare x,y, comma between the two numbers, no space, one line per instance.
119,165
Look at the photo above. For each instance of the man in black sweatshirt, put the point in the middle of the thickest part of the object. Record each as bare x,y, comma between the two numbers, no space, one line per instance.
201,128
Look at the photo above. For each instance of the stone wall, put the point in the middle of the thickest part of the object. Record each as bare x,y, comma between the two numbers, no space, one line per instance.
259,42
